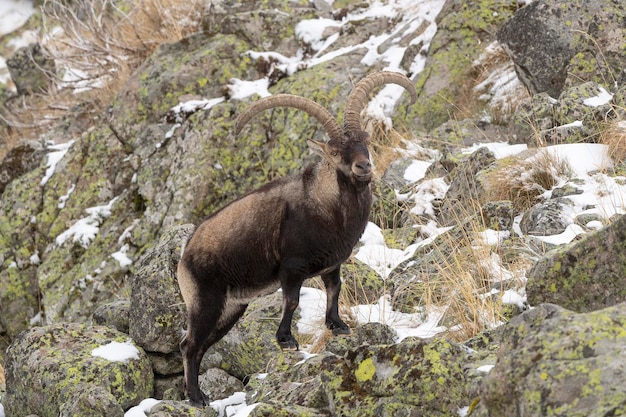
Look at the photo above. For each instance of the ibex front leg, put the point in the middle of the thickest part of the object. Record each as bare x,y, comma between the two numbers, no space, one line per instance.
291,286
332,282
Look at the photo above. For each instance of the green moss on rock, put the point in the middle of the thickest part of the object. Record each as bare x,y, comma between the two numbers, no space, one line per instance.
45,365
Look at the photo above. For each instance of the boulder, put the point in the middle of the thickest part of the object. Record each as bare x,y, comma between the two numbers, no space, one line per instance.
461,26
31,69
547,218
414,376
250,346
157,310
466,192
557,43
585,275
56,370
553,362
114,314
19,160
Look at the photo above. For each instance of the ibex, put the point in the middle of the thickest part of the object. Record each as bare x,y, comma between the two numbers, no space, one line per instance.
277,236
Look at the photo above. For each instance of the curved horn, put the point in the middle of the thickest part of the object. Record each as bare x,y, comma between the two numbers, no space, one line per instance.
359,96
326,119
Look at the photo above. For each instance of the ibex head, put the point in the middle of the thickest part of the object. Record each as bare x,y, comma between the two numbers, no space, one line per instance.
347,148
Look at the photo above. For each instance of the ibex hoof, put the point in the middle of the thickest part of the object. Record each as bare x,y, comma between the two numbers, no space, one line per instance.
289,345
341,331
200,401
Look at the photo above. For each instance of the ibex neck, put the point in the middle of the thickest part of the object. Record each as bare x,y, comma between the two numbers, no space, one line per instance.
334,193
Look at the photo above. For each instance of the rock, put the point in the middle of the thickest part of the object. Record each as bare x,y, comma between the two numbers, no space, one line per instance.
584,276
169,387
250,346
498,215
32,71
387,210
52,371
400,379
554,362
114,315
266,25
555,43
218,384
179,409
273,409
466,192
19,159
91,401
547,218
157,311
361,284
363,335
461,26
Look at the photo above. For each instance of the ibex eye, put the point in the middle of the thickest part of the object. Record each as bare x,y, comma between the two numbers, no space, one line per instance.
334,153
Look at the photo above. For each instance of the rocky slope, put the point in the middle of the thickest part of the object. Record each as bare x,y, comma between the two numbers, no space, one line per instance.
95,211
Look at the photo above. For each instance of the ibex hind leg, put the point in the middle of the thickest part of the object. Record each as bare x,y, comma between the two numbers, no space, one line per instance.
332,283
206,327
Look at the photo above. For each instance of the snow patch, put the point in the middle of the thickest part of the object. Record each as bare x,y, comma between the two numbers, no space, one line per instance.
117,352
84,231
54,158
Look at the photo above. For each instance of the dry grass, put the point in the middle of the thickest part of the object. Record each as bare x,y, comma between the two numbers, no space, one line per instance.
384,144
523,180
469,283
614,136
96,45
3,379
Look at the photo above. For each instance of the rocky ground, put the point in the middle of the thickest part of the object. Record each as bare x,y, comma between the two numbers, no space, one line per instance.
490,279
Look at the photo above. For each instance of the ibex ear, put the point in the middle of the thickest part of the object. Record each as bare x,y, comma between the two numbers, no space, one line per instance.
317,147
325,151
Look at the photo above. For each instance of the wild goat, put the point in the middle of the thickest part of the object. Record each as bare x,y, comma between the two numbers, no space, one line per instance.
288,230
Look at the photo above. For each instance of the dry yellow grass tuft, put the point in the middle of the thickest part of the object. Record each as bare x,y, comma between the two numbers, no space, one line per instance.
523,180
614,136
96,44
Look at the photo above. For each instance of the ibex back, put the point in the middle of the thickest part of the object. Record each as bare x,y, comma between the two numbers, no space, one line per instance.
277,236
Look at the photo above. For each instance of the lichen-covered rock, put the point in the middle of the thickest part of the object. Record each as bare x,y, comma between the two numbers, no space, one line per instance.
273,409
87,400
32,71
361,284
85,207
586,275
218,384
157,311
170,408
198,65
19,253
498,215
554,41
18,161
466,192
364,334
47,366
114,314
553,362
400,379
462,30
250,346
547,218
265,25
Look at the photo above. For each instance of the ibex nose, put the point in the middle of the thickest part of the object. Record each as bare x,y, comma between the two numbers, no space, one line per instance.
363,165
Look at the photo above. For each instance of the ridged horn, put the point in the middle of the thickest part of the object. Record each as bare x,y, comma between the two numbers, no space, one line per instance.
328,122
359,96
